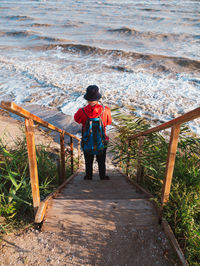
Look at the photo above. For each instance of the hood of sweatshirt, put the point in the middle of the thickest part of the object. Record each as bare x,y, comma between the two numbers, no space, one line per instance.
93,111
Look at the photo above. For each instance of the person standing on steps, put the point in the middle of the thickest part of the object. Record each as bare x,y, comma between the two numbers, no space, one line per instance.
94,118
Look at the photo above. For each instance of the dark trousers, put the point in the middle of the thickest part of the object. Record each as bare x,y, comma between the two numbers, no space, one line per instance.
101,160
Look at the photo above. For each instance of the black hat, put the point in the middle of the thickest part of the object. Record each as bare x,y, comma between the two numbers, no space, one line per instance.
92,93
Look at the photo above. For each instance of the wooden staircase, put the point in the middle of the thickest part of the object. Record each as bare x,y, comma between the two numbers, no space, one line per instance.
109,221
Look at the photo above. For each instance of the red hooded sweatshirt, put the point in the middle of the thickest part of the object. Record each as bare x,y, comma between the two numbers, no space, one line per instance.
93,112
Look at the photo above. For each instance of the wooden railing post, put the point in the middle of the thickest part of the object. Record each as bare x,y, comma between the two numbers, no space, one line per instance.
79,153
120,158
72,155
170,163
128,158
139,175
62,156
30,138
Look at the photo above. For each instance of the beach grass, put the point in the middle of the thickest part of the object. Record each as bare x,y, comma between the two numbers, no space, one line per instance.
16,209
183,208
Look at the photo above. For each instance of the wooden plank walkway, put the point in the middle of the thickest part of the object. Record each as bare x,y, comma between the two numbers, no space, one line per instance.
109,222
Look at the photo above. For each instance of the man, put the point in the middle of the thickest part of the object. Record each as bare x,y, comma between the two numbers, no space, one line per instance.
94,110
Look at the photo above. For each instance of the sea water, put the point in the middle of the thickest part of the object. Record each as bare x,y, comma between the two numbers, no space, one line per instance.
145,54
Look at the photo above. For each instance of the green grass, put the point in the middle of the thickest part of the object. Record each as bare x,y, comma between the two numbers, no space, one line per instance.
16,210
183,209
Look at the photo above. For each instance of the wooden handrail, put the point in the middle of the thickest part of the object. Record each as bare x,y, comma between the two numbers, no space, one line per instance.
173,144
14,108
177,121
30,138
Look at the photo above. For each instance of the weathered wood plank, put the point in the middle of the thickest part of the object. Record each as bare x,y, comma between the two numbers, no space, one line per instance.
41,211
170,235
44,204
86,218
148,194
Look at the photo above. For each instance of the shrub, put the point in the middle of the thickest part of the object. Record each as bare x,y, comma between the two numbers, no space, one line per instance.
15,188
183,209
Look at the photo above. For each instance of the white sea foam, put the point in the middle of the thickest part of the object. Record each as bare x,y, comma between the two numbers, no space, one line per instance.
73,104
45,78
144,54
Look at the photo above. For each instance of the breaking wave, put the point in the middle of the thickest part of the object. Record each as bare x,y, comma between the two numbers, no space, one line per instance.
152,35
30,34
19,18
164,62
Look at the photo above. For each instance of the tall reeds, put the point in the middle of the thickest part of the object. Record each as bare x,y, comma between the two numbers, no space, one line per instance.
183,209
15,189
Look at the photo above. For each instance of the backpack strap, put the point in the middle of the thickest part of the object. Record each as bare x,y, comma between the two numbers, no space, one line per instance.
84,112
102,111
89,123
101,123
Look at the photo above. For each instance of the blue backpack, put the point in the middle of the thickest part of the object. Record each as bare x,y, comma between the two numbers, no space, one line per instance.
93,135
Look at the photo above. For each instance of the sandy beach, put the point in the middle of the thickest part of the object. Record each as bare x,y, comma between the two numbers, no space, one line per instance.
12,130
